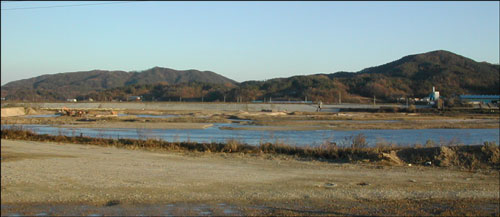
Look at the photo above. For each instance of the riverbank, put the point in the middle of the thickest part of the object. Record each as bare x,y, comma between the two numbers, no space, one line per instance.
75,179
355,150
267,125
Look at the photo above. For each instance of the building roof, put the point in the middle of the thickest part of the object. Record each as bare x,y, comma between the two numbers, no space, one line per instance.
480,96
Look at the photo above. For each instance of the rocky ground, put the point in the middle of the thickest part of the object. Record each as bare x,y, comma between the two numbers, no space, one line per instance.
71,179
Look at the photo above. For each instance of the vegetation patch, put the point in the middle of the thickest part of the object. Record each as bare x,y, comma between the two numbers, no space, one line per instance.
469,157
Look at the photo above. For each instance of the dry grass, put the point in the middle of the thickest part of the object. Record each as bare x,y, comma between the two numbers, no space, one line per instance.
468,157
354,149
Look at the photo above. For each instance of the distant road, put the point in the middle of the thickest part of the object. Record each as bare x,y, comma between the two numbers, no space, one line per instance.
193,106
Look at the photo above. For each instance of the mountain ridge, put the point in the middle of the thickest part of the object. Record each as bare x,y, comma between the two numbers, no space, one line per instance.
70,84
411,75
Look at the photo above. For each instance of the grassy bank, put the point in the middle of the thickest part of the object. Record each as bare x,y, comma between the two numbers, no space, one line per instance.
482,156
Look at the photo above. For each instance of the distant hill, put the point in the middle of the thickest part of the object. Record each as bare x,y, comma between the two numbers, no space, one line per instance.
449,72
69,85
412,76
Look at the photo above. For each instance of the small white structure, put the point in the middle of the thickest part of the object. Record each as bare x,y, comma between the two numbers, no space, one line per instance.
434,96
134,98
71,100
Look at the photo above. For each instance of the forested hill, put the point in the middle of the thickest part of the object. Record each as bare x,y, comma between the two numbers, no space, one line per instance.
449,72
69,85
411,76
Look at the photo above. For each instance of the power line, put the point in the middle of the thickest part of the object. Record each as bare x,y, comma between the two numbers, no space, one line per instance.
62,6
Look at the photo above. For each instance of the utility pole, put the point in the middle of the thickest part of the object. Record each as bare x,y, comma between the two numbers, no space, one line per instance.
224,98
374,100
340,98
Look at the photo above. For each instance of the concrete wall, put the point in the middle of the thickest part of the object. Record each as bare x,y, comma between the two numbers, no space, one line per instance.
176,106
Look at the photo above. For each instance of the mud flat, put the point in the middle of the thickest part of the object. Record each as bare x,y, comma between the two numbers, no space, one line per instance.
268,121
371,124
158,125
72,179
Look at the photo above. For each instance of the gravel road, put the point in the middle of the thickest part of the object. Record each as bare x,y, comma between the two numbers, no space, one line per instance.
62,178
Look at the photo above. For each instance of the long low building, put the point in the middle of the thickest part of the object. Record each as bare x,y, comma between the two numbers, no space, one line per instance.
480,98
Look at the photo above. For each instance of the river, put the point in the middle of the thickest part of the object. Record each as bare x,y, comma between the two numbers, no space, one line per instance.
402,137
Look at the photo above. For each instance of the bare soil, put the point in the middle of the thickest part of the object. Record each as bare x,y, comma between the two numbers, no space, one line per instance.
14,111
72,179
269,120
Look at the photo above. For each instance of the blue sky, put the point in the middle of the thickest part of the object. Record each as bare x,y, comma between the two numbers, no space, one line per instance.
239,40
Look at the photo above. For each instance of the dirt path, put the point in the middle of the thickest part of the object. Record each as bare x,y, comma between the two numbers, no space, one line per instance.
57,179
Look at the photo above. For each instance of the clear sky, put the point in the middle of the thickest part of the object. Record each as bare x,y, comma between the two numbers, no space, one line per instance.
239,40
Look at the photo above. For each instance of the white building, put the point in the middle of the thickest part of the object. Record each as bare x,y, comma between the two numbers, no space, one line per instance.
434,96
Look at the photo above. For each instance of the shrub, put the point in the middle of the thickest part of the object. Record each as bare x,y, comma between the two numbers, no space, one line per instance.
231,146
359,141
492,152
429,143
411,109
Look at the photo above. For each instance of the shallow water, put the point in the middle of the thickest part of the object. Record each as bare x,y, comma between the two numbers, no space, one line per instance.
292,137
42,116
149,116
122,210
